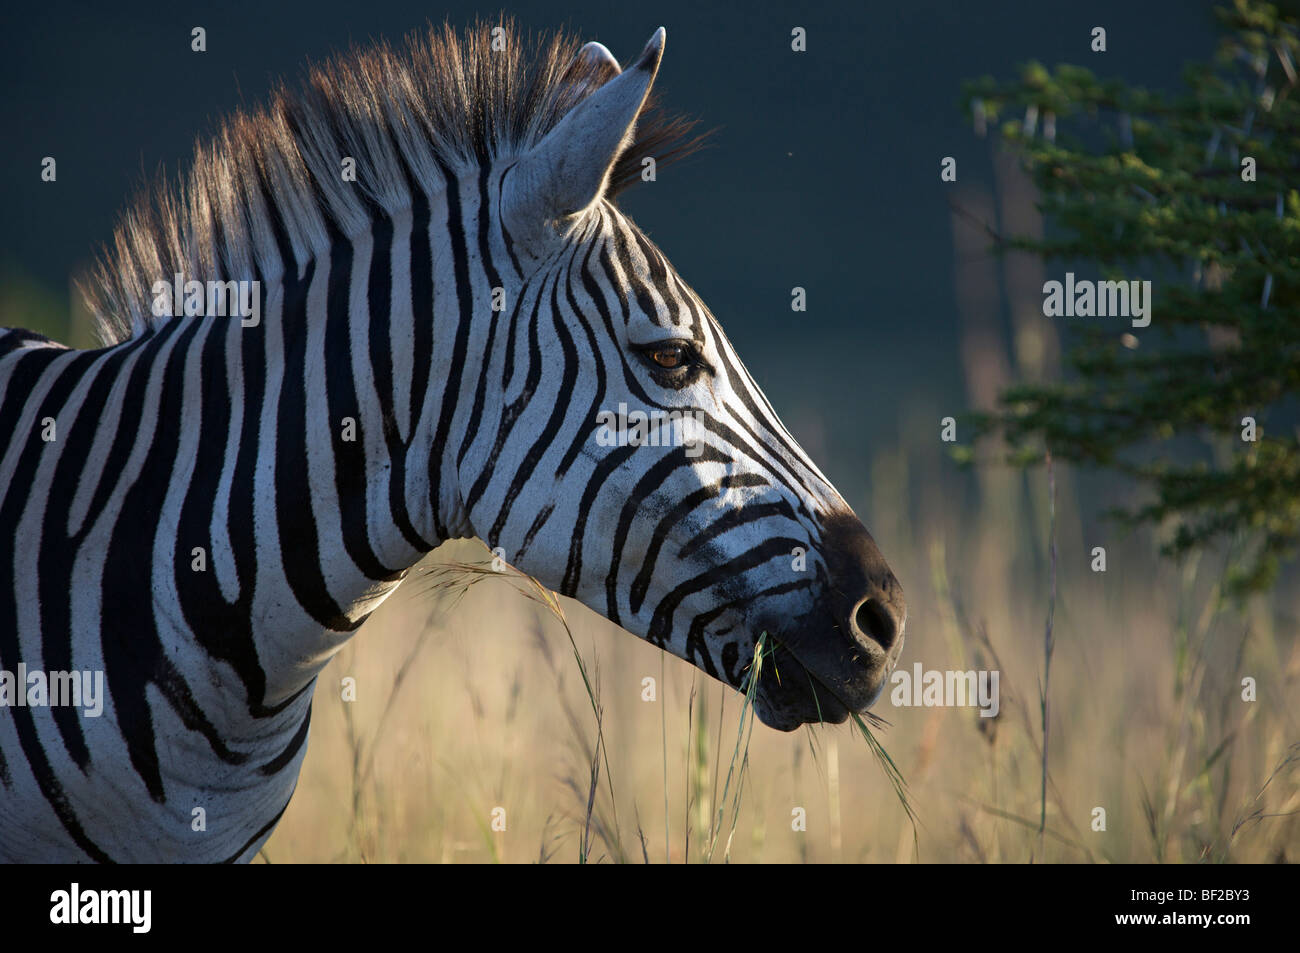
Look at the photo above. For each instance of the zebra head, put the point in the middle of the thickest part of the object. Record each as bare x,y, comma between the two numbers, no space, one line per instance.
629,460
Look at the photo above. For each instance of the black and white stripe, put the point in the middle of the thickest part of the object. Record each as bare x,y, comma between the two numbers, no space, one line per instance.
376,303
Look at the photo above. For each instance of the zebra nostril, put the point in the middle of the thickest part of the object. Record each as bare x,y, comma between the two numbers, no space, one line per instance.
873,619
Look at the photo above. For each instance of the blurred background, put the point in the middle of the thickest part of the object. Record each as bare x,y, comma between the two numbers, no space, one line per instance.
823,173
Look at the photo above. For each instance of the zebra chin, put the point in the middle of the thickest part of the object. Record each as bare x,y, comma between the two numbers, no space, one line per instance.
791,694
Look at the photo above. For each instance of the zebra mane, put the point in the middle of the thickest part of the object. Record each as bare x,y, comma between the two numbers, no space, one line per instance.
443,99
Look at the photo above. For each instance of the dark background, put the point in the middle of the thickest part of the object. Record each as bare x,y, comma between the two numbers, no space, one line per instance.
824,170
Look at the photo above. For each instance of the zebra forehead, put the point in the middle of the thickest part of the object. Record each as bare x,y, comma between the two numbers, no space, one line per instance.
644,275
267,187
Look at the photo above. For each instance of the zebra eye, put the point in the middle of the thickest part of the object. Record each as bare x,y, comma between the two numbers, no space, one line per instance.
670,357
675,364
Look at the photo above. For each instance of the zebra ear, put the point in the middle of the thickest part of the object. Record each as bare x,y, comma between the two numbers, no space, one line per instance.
596,59
569,169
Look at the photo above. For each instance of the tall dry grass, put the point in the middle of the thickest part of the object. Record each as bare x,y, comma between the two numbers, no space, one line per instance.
471,697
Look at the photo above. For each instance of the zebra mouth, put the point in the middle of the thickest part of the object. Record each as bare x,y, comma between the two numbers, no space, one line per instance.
790,694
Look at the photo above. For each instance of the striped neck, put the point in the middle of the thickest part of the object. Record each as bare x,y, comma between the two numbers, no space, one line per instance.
337,420
207,511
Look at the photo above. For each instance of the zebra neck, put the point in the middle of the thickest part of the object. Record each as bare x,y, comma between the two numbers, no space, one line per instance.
347,389
253,490
297,468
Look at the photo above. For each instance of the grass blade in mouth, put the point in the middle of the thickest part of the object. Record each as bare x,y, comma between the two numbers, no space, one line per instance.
749,687
887,765
896,779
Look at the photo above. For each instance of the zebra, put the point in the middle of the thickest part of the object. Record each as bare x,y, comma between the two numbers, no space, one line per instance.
183,514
